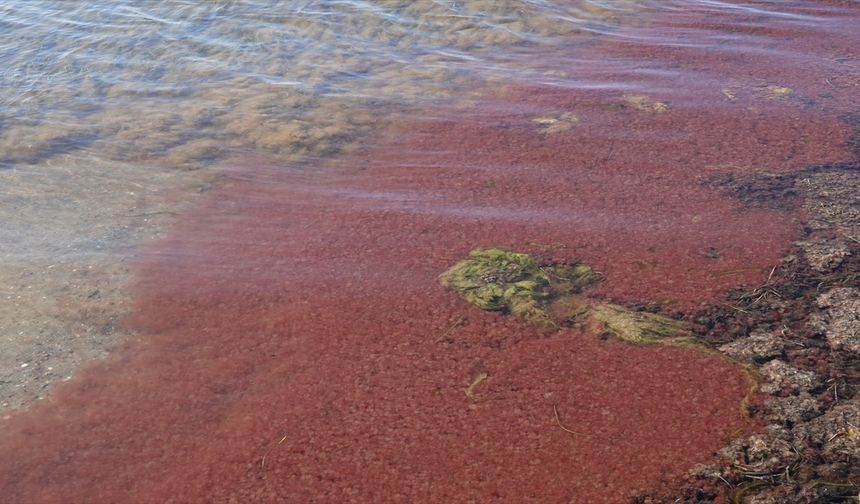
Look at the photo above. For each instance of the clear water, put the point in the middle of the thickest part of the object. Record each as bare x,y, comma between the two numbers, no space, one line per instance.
182,84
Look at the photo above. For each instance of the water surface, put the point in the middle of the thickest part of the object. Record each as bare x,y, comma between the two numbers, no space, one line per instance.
320,163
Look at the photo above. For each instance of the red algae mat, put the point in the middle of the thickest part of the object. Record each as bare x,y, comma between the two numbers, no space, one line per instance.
299,347
296,344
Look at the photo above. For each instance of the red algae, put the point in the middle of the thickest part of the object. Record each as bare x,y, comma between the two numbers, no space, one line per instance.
300,347
296,344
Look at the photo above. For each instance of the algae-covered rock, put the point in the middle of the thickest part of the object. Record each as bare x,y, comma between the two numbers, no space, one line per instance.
500,280
496,279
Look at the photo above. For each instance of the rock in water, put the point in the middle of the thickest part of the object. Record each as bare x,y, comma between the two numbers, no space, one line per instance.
496,279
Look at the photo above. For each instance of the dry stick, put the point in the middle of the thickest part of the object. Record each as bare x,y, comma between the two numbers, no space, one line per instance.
457,323
736,308
725,481
470,391
150,214
558,421
263,460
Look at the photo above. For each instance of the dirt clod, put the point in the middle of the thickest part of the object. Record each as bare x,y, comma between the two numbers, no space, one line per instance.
758,346
783,378
840,318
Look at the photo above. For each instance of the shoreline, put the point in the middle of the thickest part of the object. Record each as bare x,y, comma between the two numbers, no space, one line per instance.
798,330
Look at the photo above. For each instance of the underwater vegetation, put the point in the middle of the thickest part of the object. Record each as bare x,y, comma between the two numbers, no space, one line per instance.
552,296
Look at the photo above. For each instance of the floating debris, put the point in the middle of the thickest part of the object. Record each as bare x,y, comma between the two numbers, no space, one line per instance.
556,122
645,103
479,377
779,91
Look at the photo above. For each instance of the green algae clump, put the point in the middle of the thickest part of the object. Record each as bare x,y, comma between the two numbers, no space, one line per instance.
495,279
500,280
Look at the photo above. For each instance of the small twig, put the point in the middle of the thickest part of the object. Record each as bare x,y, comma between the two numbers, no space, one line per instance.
263,460
725,481
558,421
457,323
736,308
150,214
470,391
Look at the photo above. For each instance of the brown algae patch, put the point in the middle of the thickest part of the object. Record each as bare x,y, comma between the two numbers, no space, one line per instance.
286,87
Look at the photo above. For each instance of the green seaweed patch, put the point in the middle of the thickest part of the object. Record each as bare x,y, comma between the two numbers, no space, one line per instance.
496,279
570,279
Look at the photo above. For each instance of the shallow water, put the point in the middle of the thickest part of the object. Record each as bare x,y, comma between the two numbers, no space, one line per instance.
288,179
184,83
